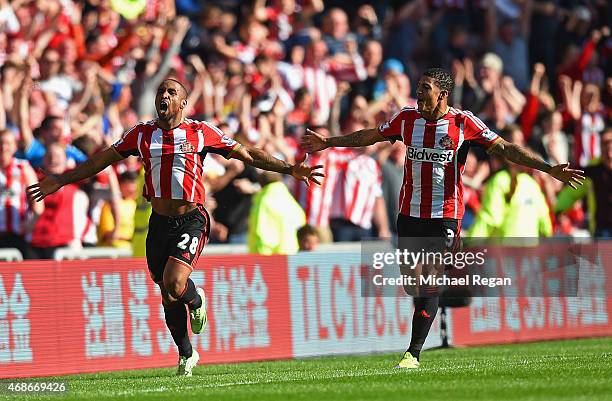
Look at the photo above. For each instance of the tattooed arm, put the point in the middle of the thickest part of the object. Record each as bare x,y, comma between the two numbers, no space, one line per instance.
527,158
313,142
51,183
519,155
259,158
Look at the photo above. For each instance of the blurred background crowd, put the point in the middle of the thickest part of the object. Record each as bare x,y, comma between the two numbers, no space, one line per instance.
76,74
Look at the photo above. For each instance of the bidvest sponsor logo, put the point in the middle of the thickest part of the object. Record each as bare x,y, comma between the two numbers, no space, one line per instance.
429,155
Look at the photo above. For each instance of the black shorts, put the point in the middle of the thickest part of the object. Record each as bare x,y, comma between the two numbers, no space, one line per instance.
179,237
447,230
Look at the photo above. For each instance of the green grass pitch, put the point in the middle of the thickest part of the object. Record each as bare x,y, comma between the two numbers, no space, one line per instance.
556,370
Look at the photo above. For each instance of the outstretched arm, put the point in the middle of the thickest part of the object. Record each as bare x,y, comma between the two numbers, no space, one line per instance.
51,183
527,158
259,158
313,142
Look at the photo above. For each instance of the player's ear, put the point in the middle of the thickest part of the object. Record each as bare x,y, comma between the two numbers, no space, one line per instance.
183,103
443,94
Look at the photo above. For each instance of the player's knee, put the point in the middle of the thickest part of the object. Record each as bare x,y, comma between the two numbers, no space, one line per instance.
169,302
174,287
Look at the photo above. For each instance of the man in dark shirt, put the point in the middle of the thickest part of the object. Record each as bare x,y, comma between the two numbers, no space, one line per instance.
234,203
372,59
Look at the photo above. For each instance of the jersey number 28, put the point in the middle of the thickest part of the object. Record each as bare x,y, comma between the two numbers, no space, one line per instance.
193,247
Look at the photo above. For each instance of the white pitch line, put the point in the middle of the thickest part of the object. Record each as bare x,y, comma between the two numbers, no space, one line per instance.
254,382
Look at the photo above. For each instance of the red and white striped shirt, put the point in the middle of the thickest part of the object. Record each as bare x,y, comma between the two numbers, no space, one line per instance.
173,159
322,86
434,163
587,139
245,53
13,199
317,200
362,185
321,81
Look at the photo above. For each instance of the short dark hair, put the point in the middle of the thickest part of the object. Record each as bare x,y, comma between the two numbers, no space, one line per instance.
48,120
508,130
300,93
307,230
263,57
547,116
86,144
442,78
128,176
185,92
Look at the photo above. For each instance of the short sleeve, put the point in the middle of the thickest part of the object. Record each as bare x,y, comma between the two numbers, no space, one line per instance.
215,141
34,154
393,129
476,131
75,154
127,145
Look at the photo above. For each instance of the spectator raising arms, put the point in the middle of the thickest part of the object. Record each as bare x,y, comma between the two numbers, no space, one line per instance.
78,74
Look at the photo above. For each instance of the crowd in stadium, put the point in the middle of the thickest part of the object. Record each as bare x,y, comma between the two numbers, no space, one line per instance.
75,75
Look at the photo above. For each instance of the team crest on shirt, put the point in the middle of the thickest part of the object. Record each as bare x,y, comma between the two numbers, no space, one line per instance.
186,147
446,142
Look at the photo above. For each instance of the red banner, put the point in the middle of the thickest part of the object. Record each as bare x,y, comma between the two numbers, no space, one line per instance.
96,315
513,317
